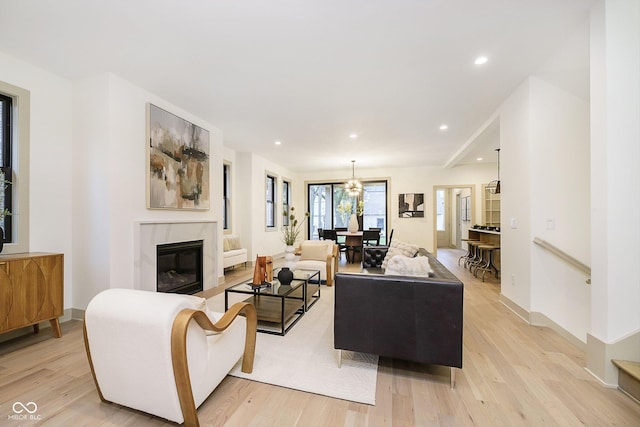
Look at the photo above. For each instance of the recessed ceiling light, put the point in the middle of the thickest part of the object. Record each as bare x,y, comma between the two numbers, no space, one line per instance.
479,159
278,143
444,127
353,136
481,60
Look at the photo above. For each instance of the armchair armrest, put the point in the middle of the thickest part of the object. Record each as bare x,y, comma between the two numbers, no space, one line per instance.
179,349
332,264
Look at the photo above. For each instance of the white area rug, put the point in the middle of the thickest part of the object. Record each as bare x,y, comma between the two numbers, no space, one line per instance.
304,359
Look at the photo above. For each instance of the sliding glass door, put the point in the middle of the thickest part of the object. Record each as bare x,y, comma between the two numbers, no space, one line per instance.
330,207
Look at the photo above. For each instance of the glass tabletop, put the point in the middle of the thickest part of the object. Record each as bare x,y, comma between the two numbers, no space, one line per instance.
300,276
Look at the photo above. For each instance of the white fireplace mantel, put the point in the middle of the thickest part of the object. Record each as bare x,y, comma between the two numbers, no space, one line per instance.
149,234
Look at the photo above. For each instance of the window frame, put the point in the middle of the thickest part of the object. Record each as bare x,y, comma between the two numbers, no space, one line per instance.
333,186
20,147
286,200
6,169
271,185
226,196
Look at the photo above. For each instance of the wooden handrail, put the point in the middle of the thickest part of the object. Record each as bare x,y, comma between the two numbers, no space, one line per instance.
564,256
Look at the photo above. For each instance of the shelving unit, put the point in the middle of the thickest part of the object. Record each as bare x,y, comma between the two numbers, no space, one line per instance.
490,208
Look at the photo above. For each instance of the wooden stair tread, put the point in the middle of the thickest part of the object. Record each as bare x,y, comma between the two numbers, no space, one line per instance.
630,367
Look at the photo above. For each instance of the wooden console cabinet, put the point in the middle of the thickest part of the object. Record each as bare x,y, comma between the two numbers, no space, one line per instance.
31,290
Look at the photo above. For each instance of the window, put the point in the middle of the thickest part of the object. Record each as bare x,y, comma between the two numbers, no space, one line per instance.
440,204
14,164
6,172
330,207
271,201
286,201
226,196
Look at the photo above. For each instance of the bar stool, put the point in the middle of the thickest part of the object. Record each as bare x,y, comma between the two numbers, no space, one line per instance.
468,254
487,263
475,258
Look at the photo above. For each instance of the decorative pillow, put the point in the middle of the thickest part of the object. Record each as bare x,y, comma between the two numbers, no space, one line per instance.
400,248
231,243
313,252
225,244
401,265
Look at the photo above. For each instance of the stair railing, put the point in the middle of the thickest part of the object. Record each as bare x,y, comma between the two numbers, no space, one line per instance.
564,256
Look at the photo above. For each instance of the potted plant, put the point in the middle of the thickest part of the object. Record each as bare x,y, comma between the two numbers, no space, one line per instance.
290,234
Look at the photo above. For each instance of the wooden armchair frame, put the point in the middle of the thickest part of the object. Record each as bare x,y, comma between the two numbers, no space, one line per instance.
179,351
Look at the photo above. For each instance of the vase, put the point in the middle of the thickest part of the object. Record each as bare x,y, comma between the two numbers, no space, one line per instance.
289,256
353,223
285,276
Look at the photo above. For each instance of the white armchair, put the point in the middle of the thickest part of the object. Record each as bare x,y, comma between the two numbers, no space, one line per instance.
319,255
164,353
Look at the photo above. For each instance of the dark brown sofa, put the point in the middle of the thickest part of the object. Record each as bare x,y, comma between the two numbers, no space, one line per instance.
411,318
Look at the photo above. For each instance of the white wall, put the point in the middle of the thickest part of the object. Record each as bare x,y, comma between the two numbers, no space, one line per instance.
250,193
560,205
544,138
111,123
515,198
615,192
51,154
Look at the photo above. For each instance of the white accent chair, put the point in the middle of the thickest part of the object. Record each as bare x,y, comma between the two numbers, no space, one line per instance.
319,255
164,353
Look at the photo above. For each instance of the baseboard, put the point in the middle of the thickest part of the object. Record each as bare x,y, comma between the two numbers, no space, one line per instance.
517,310
77,313
539,319
535,318
600,354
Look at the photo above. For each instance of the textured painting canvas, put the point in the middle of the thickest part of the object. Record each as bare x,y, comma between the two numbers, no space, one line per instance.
411,205
178,160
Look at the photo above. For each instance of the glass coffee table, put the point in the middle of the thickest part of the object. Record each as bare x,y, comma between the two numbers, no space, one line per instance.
279,307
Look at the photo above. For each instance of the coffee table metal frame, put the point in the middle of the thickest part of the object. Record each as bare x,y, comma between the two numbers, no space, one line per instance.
289,299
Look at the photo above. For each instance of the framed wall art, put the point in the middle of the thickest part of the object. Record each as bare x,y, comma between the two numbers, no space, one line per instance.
178,162
411,205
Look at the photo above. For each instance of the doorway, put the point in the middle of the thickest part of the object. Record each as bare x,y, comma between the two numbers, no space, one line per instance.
453,213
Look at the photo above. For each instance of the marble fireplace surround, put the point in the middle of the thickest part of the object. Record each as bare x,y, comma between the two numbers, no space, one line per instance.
149,234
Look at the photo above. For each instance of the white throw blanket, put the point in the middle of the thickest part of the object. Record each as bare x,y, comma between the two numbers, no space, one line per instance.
401,265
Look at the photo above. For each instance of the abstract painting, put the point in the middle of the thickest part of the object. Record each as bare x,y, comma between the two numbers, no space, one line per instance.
178,161
411,205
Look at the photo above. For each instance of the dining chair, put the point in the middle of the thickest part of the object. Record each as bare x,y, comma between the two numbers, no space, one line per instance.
333,235
371,237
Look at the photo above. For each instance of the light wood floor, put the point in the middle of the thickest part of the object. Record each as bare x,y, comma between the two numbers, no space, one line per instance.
513,375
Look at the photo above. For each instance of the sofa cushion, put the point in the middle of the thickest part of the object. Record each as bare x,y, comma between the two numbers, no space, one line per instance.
400,248
317,252
401,265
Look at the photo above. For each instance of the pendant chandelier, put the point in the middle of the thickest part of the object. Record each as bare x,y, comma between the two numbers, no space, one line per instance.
494,186
353,186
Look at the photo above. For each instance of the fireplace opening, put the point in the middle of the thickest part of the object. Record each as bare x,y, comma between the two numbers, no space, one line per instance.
180,267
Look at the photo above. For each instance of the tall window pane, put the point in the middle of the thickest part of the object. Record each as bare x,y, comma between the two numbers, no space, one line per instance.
320,202
226,196
440,210
6,125
271,201
286,204
374,195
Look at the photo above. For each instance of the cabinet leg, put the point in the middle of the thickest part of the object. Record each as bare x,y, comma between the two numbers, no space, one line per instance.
55,327
36,328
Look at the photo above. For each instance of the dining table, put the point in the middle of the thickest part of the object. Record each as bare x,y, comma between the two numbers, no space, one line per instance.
353,243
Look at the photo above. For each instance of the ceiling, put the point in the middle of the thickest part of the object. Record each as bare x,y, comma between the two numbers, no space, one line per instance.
309,73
